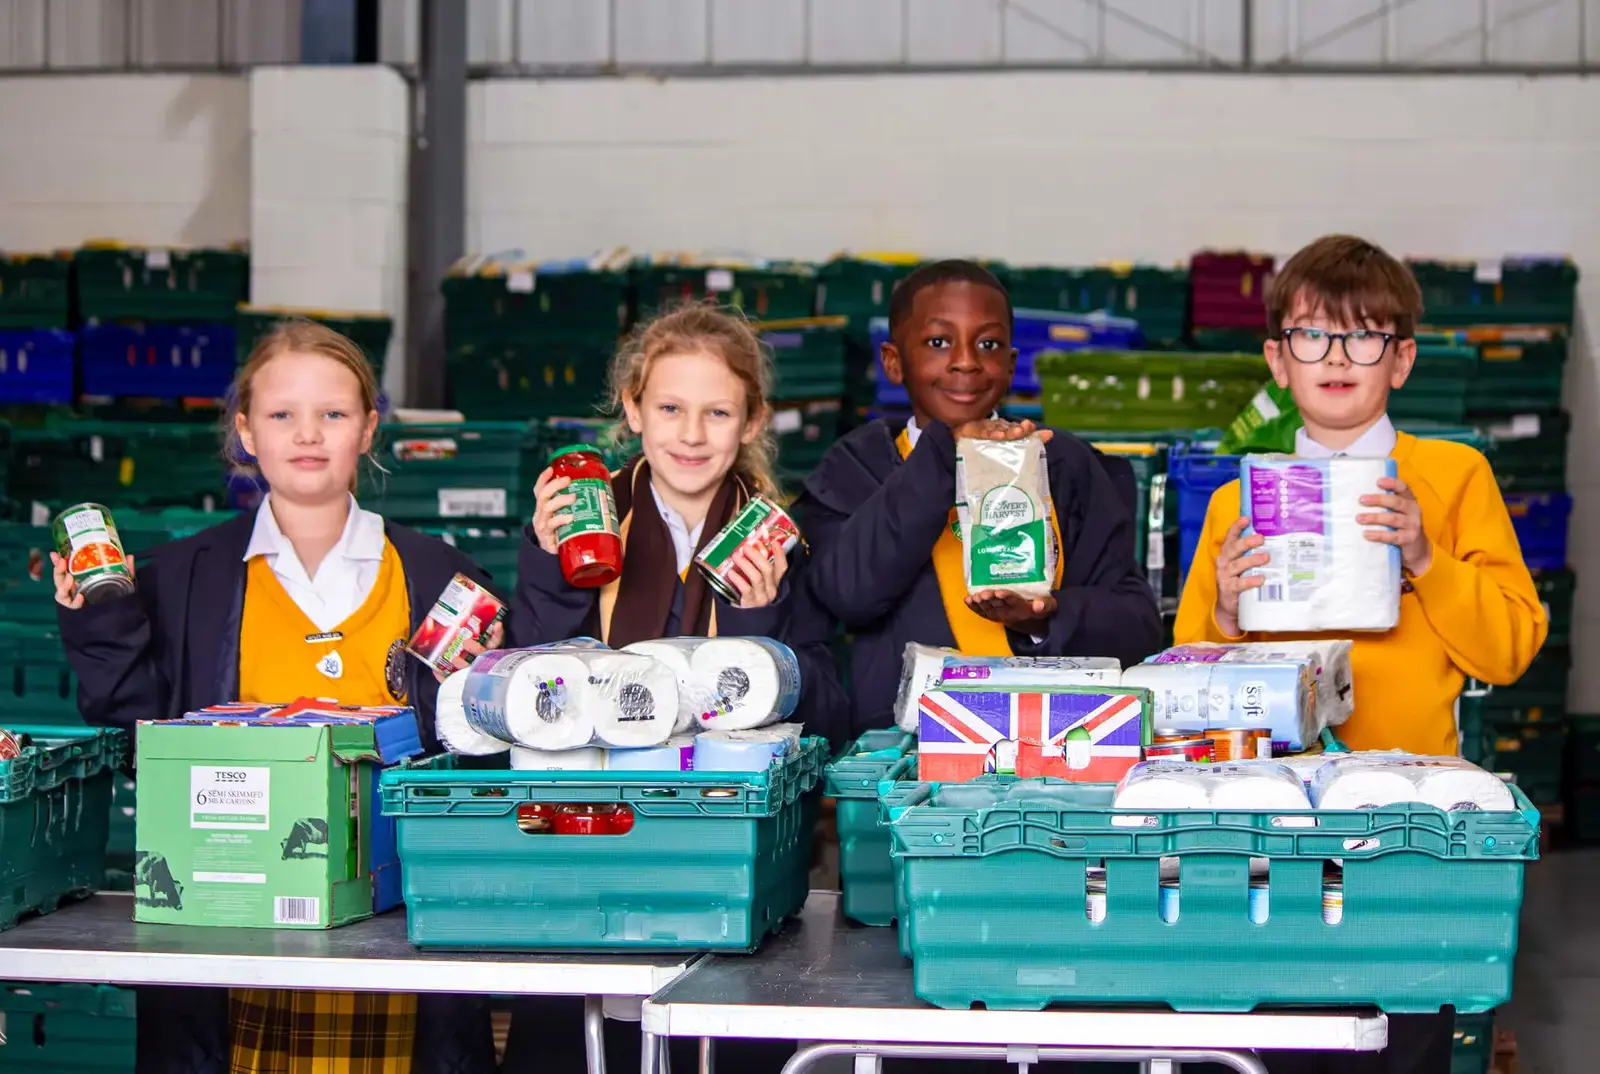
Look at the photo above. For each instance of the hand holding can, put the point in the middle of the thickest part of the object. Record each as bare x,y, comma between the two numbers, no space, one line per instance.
89,561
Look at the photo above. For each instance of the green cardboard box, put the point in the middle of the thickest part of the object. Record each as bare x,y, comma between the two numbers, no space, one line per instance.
254,826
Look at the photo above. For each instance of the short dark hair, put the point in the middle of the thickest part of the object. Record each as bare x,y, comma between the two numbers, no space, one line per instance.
1350,280
937,272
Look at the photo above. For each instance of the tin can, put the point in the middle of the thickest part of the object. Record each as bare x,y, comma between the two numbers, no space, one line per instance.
465,610
1095,895
756,529
87,539
1242,744
1193,750
1259,903
11,745
1163,735
1332,903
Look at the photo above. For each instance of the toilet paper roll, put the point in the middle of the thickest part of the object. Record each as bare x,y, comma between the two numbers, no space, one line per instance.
586,759
921,670
1463,789
1161,786
1258,785
1324,574
1031,671
638,699
753,682
450,721
740,751
1361,789
676,754
540,698
1377,780
1305,765
693,698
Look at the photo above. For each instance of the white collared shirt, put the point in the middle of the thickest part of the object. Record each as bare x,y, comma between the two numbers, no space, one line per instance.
345,576
1376,443
684,539
914,431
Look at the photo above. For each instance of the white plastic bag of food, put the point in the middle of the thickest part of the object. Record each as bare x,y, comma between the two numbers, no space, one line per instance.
1003,502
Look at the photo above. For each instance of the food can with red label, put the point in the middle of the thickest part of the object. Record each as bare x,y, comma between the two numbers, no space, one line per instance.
86,538
1194,750
761,526
11,745
464,611
1242,743
1176,734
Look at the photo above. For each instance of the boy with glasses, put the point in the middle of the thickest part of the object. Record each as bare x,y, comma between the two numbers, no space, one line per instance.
1343,317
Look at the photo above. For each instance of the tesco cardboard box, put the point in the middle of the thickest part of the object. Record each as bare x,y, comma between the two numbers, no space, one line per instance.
1088,734
266,816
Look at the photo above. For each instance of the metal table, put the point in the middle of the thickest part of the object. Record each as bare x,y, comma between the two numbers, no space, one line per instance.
825,980
97,941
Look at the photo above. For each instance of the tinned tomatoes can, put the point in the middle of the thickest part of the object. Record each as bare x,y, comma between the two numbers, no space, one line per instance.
1242,743
1193,750
11,745
86,538
464,611
757,529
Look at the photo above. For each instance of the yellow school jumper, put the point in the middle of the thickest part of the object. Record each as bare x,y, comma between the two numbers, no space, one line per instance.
283,656
1473,612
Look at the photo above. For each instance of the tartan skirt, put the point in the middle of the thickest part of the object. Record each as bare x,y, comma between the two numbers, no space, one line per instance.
277,1031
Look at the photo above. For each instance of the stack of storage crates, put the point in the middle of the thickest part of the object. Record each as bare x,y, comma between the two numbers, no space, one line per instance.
858,289
811,365
371,332
1153,296
157,323
1227,300
530,339
1514,317
36,350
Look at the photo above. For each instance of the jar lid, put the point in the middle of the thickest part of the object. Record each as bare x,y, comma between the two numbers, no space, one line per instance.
571,449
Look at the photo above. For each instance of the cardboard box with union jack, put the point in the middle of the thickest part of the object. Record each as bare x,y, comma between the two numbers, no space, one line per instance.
1088,734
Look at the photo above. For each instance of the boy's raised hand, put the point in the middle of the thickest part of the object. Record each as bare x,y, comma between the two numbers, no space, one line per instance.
999,429
1013,612
1402,514
548,503
1237,556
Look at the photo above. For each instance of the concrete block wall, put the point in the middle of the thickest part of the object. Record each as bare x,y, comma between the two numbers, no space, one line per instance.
161,160
329,164
1064,168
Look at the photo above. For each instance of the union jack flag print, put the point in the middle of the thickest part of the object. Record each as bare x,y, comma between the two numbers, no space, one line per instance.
965,733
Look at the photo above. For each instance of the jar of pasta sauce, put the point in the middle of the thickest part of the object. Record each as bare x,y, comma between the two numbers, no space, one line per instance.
590,545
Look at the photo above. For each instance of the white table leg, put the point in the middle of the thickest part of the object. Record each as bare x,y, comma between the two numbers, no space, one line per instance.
594,1034
708,1055
650,1052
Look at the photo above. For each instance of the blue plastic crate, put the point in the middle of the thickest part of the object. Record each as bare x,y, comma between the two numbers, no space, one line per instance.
36,366
1194,472
160,361
1540,519
1035,332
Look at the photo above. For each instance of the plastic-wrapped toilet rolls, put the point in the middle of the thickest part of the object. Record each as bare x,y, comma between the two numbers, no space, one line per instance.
753,682
676,754
693,698
1324,574
565,698
1377,780
751,750
1031,672
587,759
920,671
1241,785
450,721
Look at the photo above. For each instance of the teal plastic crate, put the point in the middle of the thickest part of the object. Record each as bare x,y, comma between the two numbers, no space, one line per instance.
1472,1051
997,908
865,871
55,810
715,860
66,1028
450,472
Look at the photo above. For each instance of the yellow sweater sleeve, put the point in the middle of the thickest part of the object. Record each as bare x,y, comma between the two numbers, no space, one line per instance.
1197,619
1478,596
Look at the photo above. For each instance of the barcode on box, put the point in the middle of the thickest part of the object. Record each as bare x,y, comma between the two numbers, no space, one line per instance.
290,911
1272,592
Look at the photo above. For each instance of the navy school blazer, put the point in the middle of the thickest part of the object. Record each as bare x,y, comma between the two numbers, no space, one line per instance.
874,518
172,646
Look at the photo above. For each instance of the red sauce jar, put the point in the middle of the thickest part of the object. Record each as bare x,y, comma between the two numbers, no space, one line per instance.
590,546
584,820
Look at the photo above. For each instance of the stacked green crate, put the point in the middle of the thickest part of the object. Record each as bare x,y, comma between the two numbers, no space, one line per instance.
119,464
529,340
1519,370
35,290
1529,451
1129,390
1440,383
1530,291
116,282
804,432
858,289
452,472
492,548
764,291
809,358
1156,297
1153,525
66,1028
369,331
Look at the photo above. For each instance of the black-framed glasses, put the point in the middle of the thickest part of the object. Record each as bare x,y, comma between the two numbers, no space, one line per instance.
1362,346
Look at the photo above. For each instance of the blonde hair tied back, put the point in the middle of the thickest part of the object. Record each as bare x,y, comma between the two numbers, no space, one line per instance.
296,336
725,333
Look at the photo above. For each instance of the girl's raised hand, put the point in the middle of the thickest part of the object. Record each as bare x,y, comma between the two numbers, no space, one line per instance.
758,580
471,649
67,594
549,502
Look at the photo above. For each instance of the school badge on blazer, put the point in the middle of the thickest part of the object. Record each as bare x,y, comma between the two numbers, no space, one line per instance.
394,671
331,664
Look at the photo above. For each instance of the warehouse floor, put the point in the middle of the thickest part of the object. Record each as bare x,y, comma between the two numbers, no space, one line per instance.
1557,994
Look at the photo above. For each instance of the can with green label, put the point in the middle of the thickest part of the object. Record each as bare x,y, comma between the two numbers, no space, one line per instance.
86,537
759,528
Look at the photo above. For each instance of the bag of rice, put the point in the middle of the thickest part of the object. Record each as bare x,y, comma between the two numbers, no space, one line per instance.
1003,502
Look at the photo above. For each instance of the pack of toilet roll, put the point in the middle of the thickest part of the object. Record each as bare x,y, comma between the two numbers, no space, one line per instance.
460,735
748,750
1323,574
1335,684
921,670
1246,785
1377,780
728,684
1030,672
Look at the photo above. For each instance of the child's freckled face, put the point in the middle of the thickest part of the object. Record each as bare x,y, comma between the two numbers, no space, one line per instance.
1336,393
953,353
